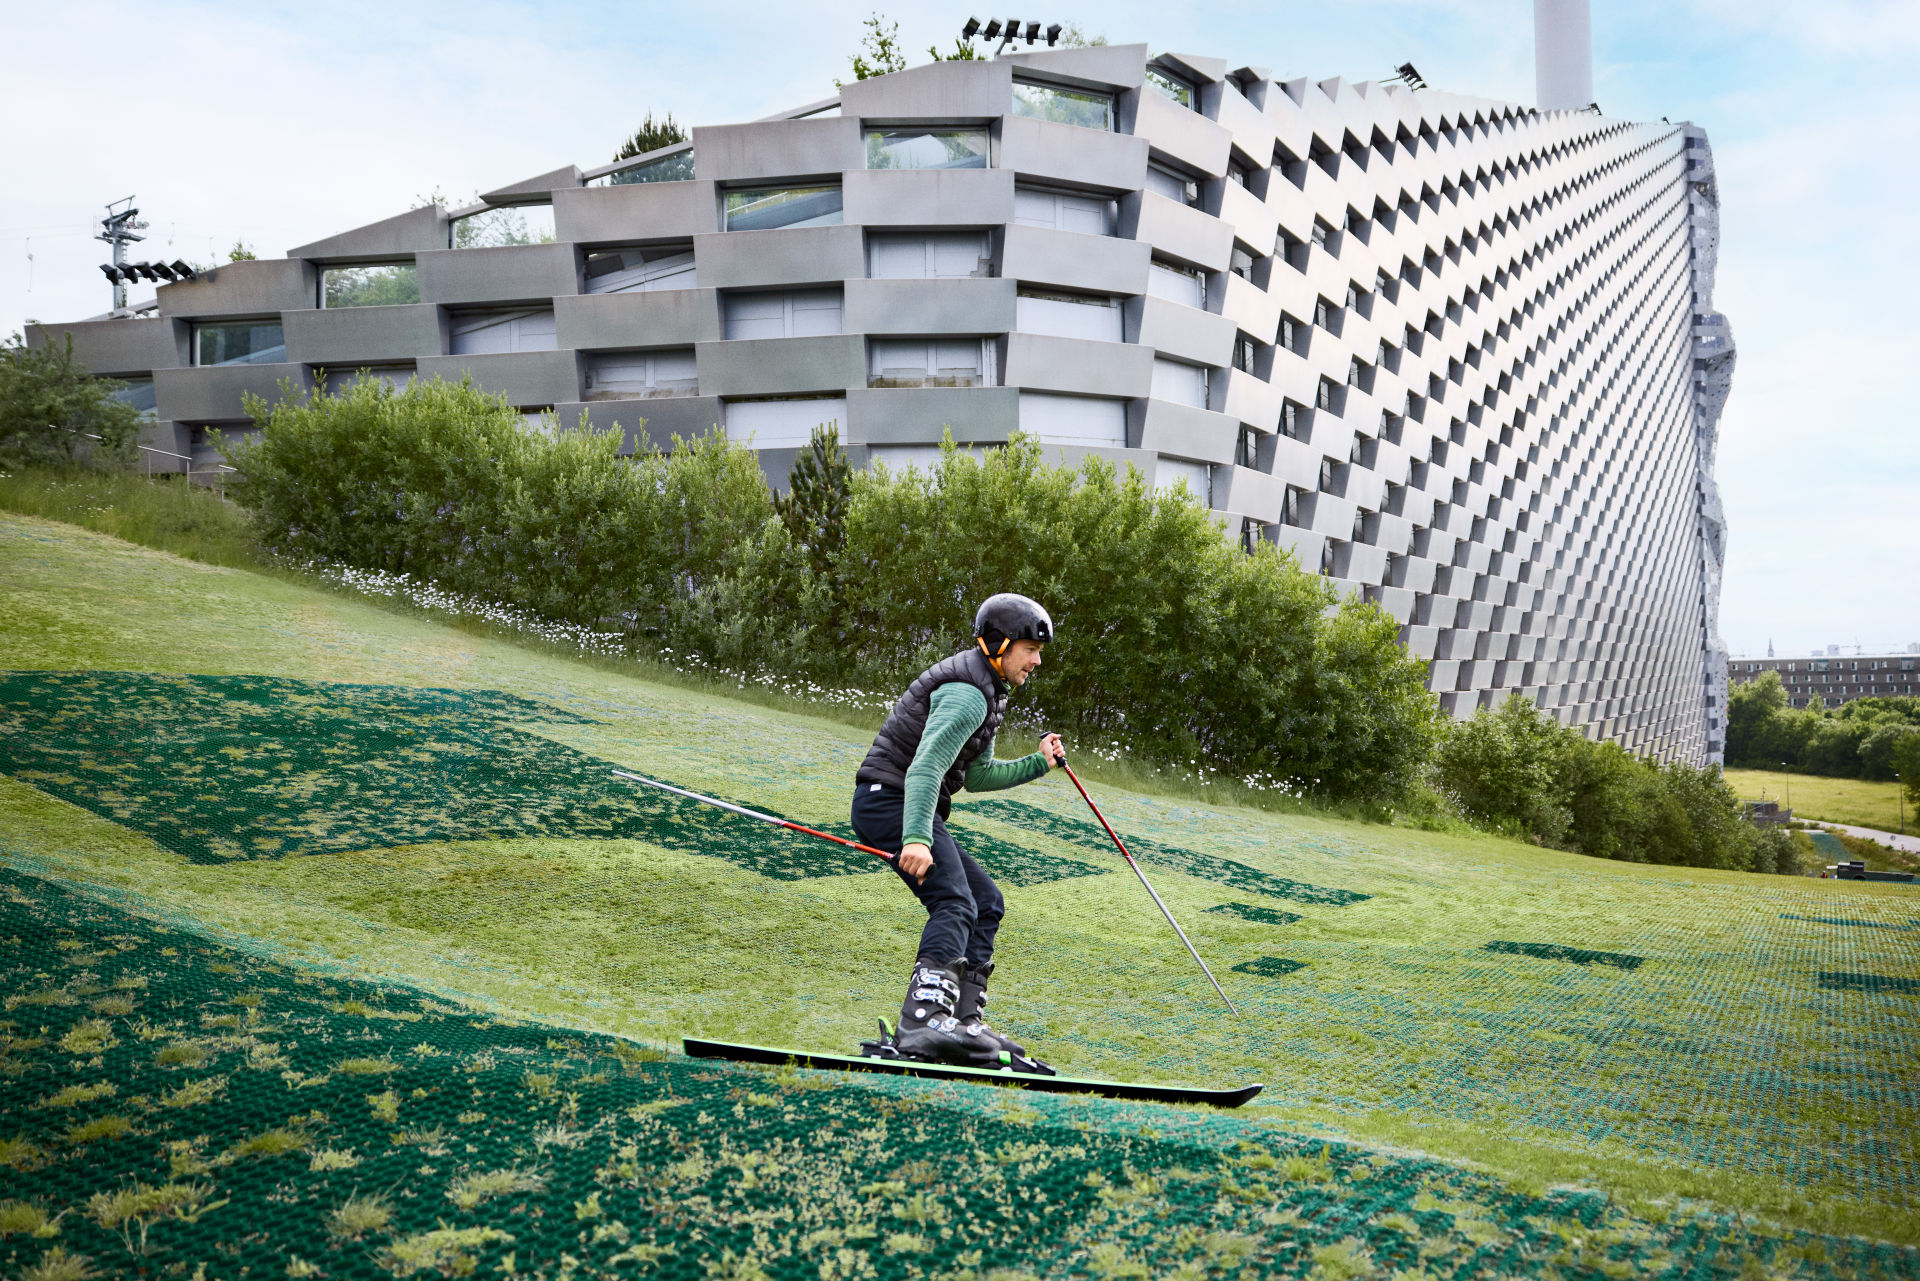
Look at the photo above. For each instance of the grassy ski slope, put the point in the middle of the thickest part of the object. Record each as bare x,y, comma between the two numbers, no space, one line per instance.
330,788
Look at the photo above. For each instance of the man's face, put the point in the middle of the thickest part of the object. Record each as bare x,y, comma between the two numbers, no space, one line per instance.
1019,661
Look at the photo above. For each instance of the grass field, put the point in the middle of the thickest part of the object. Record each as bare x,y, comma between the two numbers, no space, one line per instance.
314,792
1835,800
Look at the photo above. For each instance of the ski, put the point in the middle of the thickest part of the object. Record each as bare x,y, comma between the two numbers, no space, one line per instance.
1222,1098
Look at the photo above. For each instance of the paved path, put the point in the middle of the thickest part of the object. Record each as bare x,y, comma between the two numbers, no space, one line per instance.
1908,843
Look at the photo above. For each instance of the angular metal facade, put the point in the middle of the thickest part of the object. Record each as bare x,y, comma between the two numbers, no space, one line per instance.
1458,355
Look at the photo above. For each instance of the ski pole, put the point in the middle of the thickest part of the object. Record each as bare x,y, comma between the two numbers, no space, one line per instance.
764,818
1121,845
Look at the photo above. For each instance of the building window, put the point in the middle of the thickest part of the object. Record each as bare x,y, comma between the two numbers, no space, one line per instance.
1243,354
1179,382
768,207
1241,263
1246,452
488,333
1293,423
1063,106
1174,186
247,342
927,149
929,256
1063,211
1251,532
1237,174
1074,420
1061,315
677,167
138,394
397,377
630,271
930,362
1172,87
1177,284
800,313
505,225
1323,399
631,375
1289,331
385,285
782,424
1322,313
1290,507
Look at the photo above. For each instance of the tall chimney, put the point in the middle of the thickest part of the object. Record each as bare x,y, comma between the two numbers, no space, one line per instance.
1562,54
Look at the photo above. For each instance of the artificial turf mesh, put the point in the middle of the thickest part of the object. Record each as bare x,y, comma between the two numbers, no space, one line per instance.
178,1106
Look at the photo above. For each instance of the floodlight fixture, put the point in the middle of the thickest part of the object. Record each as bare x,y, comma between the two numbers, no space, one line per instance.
1408,75
1053,33
182,270
162,270
110,271
993,29
1033,32
971,29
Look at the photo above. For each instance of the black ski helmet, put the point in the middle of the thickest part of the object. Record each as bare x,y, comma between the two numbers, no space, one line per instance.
1007,617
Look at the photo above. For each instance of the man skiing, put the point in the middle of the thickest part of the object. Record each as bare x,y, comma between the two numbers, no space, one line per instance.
937,739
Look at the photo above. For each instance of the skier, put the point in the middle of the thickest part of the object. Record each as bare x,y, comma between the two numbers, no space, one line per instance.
937,739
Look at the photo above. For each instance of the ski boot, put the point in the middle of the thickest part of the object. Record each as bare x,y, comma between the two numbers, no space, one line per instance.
928,1028
972,1009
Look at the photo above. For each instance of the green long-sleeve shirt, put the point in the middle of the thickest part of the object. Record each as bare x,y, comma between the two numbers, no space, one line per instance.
955,711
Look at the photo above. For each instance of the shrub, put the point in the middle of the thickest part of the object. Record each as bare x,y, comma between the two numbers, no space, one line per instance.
50,407
1172,643
1516,769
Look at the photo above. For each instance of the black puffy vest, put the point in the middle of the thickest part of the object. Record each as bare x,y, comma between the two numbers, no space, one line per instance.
899,738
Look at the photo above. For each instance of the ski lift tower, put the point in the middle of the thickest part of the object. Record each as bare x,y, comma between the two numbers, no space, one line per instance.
120,228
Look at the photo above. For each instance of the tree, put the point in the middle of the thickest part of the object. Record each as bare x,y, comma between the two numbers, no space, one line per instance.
880,53
814,508
50,405
241,252
1906,766
651,136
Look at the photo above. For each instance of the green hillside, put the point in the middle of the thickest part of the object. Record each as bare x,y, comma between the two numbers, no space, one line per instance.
285,863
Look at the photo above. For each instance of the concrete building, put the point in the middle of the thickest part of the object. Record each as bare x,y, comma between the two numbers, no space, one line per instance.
1458,355
1835,680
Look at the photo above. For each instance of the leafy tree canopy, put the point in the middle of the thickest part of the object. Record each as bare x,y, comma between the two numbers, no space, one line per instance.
52,411
651,136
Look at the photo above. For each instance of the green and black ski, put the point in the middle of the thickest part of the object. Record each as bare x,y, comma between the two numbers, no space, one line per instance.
1222,1098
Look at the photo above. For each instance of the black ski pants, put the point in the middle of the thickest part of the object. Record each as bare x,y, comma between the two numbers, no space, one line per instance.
963,904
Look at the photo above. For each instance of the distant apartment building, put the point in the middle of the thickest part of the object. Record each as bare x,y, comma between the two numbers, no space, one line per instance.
1457,355
1834,680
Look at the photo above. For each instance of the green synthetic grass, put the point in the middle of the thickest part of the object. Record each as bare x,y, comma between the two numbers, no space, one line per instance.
1835,800
1722,1067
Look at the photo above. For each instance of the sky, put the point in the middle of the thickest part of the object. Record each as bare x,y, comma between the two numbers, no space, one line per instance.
276,124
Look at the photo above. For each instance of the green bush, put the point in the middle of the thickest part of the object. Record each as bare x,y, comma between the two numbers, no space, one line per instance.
1173,645
1858,739
53,412
1516,769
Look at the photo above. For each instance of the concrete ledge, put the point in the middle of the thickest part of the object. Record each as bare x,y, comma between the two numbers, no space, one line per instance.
778,150
918,416
938,91
1250,493
1046,152
369,335
1075,260
645,423
112,347
637,213
1183,431
782,366
1185,332
499,274
966,305
213,394
253,287
400,236
1182,233
1041,362
783,256
1182,135
538,185
665,318
928,197
523,377
1107,66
